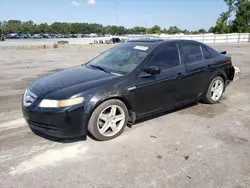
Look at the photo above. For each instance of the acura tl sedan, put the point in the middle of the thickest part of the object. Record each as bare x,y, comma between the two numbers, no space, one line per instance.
131,81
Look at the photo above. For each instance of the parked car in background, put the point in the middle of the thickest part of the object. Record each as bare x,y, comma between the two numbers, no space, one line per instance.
66,36
13,36
115,40
131,81
23,36
37,36
46,36
74,36
93,35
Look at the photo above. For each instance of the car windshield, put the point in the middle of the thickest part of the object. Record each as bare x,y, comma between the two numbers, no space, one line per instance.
121,60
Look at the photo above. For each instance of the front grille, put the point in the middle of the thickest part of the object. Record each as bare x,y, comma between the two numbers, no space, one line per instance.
43,126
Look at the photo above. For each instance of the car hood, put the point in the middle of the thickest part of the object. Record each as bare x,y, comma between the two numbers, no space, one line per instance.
79,75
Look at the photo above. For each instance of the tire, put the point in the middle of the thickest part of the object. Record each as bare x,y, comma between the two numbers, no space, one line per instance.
210,98
94,126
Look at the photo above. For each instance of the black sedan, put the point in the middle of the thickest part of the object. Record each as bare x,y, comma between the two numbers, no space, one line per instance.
131,81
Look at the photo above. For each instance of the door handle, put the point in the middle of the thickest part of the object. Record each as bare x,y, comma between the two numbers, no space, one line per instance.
209,66
179,75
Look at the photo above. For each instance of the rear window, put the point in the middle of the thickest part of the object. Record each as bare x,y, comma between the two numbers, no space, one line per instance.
206,53
191,53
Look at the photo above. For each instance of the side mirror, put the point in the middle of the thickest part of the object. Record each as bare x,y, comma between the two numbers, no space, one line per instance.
152,70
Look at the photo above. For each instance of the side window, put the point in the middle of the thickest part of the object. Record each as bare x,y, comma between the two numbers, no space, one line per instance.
206,53
191,53
167,57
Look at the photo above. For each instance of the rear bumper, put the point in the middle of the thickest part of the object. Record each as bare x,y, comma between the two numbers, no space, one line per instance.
236,73
61,125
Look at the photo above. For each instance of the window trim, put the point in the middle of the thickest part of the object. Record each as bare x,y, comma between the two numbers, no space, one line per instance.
160,48
211,57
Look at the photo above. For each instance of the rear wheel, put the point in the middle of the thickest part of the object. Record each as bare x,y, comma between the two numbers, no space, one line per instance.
215,90
108,120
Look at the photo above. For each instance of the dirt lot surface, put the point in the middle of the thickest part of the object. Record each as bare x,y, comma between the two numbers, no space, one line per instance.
197,146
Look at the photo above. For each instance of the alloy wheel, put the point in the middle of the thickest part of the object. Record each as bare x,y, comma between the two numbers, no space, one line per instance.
217,90
111,120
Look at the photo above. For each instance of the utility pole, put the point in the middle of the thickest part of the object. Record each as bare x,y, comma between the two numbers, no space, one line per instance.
116,8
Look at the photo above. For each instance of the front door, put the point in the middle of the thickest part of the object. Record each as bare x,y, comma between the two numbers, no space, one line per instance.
154,92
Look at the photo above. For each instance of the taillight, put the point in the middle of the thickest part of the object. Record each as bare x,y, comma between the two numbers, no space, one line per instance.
228,63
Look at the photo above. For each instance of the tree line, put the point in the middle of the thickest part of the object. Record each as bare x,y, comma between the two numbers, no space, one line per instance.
17,26
241,23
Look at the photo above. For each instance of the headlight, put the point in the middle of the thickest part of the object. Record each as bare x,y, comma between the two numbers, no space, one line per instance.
47,103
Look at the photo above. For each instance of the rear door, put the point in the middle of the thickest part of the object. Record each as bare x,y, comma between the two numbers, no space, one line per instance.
197,69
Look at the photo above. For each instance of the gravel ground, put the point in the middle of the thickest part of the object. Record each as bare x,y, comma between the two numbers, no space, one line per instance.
197,146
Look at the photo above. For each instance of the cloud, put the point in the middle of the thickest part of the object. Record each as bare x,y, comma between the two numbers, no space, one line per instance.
91,2
76,4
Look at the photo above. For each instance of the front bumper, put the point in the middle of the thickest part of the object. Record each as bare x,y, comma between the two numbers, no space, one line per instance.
62,125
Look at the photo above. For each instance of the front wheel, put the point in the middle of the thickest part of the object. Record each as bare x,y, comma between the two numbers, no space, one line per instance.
215,90
108,120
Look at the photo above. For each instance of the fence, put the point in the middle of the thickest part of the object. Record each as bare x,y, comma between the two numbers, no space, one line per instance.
48,43
206,38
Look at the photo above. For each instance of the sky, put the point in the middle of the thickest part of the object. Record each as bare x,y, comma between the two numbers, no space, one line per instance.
185,14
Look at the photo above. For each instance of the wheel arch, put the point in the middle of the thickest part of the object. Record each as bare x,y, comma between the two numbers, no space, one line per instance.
220,73
92,106
223,77
118,98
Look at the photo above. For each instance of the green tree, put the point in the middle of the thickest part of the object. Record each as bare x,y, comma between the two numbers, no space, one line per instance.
186,32
58,28
222,24
202,31
43,28
28,27
132,31
95,28
13,26
165,31
155,30
139,30
174,30
211,30
113,30
120,30
1,27
241,23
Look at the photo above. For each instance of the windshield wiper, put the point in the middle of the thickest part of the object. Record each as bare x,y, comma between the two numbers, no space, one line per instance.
100,68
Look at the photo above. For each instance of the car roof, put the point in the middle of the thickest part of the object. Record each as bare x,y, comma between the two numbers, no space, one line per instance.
153,43
159,41
145,40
